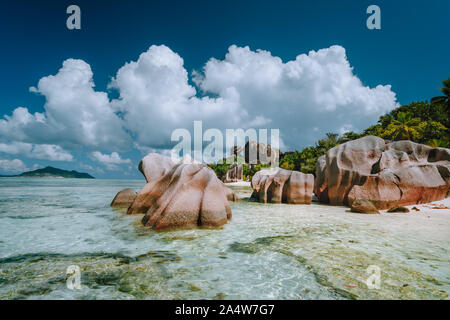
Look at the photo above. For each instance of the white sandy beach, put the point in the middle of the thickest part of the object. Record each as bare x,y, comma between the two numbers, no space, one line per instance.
238,184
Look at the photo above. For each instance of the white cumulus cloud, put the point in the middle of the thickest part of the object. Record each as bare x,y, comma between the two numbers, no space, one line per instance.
75,114
316,93
111,161
37,151
156,98
12,166
316,90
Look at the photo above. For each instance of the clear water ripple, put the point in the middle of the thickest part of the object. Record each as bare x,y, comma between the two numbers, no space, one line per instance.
266,251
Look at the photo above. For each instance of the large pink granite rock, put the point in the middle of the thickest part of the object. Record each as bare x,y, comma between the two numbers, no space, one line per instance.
154,165
277,185
181,195
387,173
124,198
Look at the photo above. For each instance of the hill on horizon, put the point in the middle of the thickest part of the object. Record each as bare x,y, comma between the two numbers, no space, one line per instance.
53,172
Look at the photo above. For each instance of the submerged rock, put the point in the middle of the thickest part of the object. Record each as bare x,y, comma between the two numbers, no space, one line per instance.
386,173
181,195
399,209
278,185
363,206
231,196
124,198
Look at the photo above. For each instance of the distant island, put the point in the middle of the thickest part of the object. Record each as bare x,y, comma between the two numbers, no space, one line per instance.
51,172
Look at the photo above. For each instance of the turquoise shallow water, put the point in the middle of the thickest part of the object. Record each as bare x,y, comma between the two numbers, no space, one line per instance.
265,252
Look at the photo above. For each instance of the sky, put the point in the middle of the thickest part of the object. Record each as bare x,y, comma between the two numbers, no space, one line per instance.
98,99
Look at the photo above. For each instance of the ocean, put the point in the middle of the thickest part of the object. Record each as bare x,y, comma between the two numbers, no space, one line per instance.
266,251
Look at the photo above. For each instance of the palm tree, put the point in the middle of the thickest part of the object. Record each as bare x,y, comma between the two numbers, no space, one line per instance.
403,128
331,140
439,143
445,99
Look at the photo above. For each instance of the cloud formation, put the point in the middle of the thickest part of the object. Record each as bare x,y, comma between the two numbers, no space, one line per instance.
75,114
12,166
37,151
156,98
316,93
111,161
314,90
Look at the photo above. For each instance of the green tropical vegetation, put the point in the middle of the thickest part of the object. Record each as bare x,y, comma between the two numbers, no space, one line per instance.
248,171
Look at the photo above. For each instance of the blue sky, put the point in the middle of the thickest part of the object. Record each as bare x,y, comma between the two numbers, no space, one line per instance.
409,53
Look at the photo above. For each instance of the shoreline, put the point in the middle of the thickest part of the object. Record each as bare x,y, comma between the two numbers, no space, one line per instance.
238,184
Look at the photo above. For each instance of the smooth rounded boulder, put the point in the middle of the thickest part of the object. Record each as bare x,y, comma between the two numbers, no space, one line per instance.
277,185
363,206
189,195
154,165
124,198
387,173
181,195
